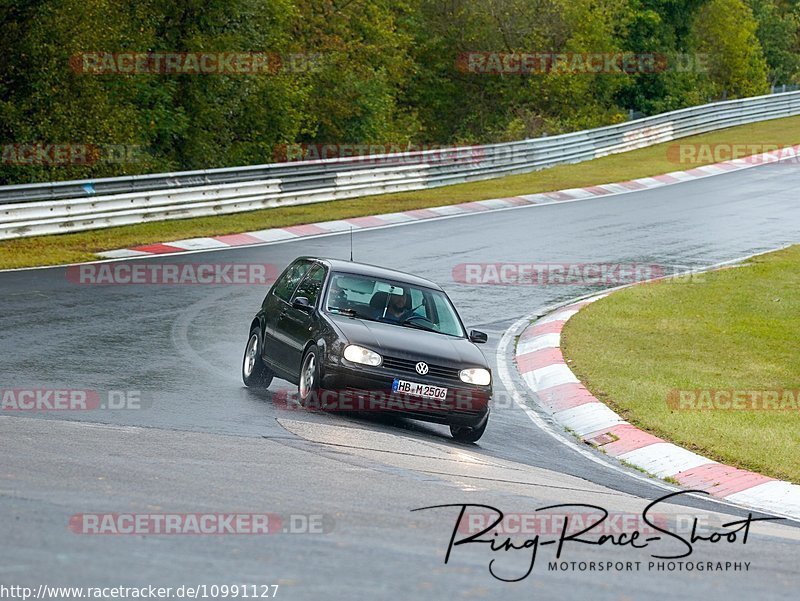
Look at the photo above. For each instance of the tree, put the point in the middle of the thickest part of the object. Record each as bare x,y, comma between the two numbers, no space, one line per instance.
725,32
779,33
363,62
360,72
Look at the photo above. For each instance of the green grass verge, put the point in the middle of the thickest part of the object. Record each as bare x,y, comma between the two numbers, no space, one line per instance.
736,328
82,246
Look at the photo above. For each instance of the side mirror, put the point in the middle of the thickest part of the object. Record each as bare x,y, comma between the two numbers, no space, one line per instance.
478,337
301,302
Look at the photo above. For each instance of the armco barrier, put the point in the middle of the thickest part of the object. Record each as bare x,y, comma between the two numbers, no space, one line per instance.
59,207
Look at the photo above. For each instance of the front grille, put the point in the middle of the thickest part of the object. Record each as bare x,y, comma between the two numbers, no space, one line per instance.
410,366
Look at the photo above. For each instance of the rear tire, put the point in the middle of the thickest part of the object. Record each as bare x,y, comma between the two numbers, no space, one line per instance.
468,434
255,372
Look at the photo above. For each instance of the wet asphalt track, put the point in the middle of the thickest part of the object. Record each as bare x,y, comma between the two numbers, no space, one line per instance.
206,444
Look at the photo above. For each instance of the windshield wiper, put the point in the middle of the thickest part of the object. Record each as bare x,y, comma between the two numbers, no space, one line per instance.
409,324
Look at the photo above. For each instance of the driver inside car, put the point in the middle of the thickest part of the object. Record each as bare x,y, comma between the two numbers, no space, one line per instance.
398,307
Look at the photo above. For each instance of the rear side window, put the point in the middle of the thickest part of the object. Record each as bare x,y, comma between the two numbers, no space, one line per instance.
311,286
289,279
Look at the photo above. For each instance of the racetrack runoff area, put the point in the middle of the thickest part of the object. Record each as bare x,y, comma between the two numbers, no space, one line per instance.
709,363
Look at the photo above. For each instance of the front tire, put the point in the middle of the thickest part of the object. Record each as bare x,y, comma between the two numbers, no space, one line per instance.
467,433
308,384
255,372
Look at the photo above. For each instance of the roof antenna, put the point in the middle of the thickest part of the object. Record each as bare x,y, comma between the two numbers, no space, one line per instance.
351,243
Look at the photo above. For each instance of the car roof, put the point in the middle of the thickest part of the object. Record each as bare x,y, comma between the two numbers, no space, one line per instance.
374,271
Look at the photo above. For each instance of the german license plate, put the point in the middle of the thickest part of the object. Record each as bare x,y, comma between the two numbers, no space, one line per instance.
415,388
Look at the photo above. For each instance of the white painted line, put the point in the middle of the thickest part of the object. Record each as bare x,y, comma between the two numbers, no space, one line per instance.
536,197
553,375
587,418
777,496
340,225
714,170
607,187
593,299
198,243
398,218
664,459
616,188
578,193
682,176
649,182
538,343
495,203
448,210
273,235
558,316
530,381
124,253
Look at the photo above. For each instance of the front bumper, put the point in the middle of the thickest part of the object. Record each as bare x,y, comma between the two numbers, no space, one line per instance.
363,388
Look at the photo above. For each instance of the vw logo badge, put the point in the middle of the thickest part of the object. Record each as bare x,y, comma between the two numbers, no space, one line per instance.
422,368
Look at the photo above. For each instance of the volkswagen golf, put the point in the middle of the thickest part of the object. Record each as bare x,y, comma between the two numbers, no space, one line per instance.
360,337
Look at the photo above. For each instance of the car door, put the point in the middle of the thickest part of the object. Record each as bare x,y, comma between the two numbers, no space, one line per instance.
276,304
296,326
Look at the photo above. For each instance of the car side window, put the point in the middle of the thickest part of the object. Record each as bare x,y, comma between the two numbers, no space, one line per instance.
289,279
311,286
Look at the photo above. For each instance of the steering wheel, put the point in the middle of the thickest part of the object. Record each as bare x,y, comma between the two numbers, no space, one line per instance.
413,317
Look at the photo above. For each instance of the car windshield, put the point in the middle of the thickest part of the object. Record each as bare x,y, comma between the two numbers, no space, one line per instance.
404,305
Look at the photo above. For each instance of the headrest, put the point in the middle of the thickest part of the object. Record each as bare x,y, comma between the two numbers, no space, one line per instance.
379,300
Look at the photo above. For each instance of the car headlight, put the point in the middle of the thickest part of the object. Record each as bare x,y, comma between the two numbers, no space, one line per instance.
477,375
359,354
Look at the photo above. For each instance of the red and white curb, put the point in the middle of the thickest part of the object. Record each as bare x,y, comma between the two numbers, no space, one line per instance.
540,362
375,221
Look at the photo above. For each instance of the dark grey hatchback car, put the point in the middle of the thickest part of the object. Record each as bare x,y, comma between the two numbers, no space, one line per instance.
359,337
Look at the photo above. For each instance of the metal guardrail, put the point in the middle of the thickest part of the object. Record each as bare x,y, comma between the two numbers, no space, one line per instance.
61,207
